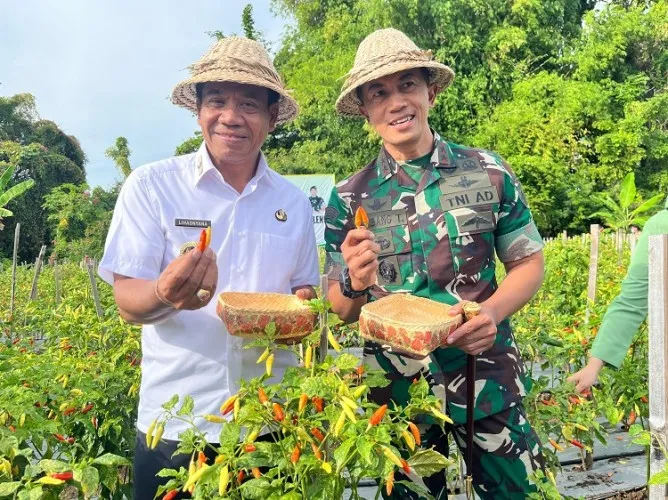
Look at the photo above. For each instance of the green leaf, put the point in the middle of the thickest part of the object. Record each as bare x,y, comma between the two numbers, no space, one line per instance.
6,177
627,192
186,407
7,489
89,479
659,478
377,380
428,462
15,191
229,436
54,466
419,390
635,429
111,460
256,488
365,448
342,452
270,329
421,491
36,493
346,361
5,213
169,405
646,206
167,473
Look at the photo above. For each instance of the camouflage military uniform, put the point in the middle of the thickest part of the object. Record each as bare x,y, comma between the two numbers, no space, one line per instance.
438,228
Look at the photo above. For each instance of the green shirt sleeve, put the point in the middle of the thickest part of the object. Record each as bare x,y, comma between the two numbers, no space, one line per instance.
337,224
629,309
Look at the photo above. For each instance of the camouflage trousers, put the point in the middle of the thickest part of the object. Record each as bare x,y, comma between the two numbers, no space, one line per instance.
506,449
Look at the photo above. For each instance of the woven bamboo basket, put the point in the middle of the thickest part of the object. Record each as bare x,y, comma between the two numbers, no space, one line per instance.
410,325
248,314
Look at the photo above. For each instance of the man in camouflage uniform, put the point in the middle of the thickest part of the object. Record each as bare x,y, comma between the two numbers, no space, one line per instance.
438,211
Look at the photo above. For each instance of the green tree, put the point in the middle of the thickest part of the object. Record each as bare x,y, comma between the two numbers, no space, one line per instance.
626,209
120,154
248,23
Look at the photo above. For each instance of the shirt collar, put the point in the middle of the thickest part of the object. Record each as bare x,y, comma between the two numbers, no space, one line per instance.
204,165
441,157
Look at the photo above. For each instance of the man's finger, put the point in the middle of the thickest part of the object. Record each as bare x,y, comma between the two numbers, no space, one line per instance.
193,281
456,309
356,236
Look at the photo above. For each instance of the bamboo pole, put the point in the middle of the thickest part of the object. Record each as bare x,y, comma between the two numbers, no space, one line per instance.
17,233
38,269
593,270
96,296
658,357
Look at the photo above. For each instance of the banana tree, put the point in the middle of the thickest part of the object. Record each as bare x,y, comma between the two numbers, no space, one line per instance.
11,193
624,211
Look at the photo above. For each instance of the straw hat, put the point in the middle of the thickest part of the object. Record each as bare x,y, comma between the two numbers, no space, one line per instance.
385,52
239,60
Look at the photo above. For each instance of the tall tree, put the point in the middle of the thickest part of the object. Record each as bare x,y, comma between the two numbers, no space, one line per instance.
120,154
248,23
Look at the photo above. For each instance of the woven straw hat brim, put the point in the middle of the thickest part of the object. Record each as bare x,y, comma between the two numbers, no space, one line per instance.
348,104
184,93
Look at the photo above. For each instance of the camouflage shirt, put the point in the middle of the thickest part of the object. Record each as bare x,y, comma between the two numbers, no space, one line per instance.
438,239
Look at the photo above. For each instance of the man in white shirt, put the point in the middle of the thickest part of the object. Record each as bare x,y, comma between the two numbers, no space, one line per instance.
263,241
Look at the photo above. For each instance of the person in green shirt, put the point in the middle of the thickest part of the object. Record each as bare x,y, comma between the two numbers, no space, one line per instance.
626,312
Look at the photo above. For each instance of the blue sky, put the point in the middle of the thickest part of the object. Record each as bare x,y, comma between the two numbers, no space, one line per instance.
102,69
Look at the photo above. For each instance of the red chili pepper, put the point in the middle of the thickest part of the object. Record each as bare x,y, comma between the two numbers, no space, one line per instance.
644,399
319,404
241,476
632,418
70,440
405,466
12,428
60,437
250,448
577,443
16,341
65,476
87,408
262,396
377,416
201,246
201,459
574,400
295,455
278,412
416,433
317,433
170,495
68,411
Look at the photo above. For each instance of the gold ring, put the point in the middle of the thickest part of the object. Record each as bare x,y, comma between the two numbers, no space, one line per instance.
203,295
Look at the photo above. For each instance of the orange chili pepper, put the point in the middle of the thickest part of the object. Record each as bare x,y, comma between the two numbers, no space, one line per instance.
303,399
556,445
319,403
256,473
377,416
416,433
294,457
278,412
361,217
317,433
405,466
250,448
170,495
577,443
389,483
262,396
316,451
201,246
201,459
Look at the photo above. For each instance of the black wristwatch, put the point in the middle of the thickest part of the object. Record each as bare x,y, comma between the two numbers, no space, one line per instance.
346,286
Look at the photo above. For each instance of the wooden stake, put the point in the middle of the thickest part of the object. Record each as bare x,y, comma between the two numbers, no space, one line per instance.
38,269
564,235
17,233
56,272
96,296
324,343
658,357
593,270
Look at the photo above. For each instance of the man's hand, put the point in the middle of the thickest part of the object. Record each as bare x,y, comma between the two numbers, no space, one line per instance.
360,253
586,377
189,281
305,292
476,335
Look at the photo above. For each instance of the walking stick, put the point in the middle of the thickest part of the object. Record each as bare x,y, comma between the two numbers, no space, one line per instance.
471,310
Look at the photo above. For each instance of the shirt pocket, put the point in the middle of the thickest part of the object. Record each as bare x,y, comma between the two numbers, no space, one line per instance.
395,261
278,261
471,236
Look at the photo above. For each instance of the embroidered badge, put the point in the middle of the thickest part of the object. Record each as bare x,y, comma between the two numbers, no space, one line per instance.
387,271
281,215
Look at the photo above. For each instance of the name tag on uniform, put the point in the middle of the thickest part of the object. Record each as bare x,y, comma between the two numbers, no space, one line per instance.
388,218
192,223
470,198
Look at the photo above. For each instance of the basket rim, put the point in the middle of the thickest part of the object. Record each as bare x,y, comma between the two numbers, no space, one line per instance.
300,307
415,326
